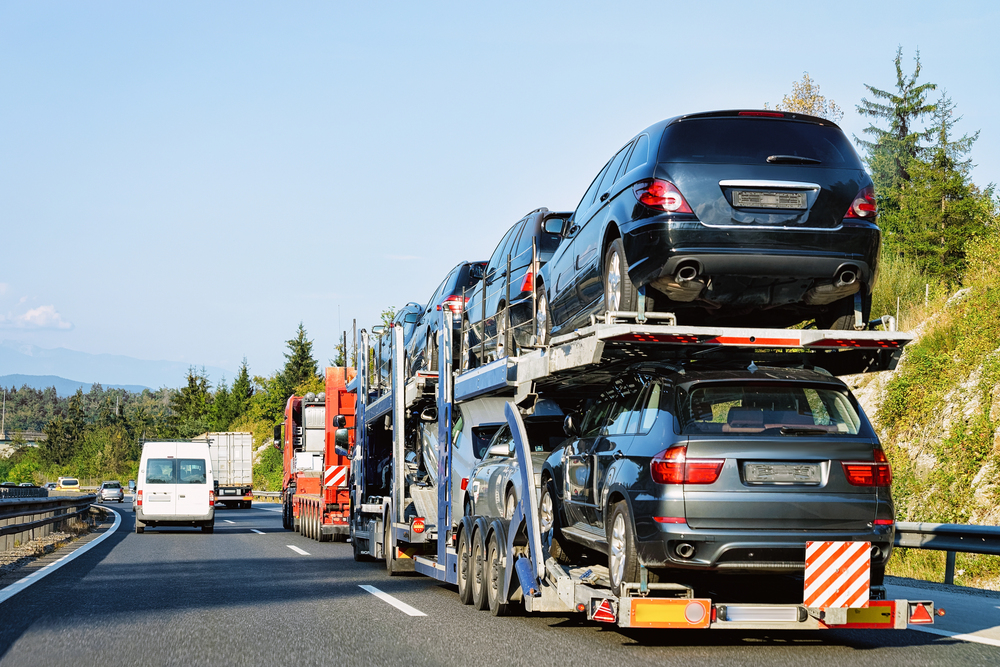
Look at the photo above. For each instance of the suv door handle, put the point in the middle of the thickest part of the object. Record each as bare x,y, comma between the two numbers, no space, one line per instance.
605,196
619,455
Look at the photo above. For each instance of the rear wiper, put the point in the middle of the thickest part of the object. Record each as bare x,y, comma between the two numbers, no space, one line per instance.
802,430
792,159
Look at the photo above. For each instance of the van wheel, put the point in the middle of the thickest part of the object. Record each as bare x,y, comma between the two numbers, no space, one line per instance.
469,360
140,527
619,292
210,528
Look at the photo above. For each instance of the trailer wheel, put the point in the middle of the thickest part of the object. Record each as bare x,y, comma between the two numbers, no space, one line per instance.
495,578
464,568
390,552
623,565
548,518
478,579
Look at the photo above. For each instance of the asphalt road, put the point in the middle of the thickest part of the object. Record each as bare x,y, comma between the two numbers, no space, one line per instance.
237,597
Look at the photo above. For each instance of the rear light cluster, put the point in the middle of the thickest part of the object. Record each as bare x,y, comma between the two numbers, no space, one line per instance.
673,467
455,303
211,498
869,473
528,285
138,498
863,207
660,195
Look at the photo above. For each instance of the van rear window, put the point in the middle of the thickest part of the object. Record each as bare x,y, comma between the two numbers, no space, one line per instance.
176,471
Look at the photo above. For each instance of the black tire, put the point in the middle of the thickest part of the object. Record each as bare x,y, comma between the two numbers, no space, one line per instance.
543,316
391,566
560,548
478,579
140,527
619,292
286,513
464,568
208,528
623,563
496,597
840,317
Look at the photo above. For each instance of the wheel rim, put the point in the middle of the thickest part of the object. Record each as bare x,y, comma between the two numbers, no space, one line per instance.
510,506
616,560
541,317
546,519
477,567
613,290
463,562
494,574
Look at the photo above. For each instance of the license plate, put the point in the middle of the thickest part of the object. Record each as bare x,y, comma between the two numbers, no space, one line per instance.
751,199
229,492
781,473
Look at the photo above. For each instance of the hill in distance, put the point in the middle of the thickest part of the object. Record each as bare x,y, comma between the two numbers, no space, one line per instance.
63,386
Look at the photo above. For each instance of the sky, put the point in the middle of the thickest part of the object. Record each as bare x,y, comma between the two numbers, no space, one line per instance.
188,181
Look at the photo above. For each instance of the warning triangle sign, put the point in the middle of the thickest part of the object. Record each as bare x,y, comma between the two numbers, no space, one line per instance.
920,614
604,612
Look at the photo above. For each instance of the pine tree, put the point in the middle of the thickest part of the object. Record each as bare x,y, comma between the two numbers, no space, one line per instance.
191,405
242,390
300,366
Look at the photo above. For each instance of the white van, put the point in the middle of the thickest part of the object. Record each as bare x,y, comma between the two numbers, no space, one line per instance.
176,486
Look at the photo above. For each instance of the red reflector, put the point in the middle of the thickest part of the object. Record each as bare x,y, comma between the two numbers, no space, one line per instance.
465,483
765,114
661,195
657,338
919,614
669,519
604,613
884,522
529,282
849,342
417,525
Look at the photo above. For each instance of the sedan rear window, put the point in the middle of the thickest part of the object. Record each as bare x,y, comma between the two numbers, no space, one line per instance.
754,140
766,409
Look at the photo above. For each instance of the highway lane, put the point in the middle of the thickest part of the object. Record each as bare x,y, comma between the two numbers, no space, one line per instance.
239,597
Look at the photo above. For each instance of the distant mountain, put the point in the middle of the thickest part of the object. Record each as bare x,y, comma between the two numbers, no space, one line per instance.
109,369
63,386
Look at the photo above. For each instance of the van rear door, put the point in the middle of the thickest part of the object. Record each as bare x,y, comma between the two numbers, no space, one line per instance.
160,492
193,479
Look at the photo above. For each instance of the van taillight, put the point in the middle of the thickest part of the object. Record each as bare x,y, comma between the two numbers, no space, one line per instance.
211,498
673,467
877,473
138,498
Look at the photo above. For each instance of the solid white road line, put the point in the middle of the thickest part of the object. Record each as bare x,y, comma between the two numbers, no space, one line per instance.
956,635
398,604
228,521
259,532
297,550
20,585
268,509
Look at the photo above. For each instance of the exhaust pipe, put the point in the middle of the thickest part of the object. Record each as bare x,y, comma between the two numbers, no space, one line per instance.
846,277
684,550
686,273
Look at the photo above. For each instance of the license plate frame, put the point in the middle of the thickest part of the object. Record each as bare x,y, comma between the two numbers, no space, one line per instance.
783,199
760,473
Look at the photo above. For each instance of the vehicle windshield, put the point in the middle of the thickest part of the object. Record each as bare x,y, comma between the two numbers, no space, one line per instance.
70,482
112,485
753,140
773,409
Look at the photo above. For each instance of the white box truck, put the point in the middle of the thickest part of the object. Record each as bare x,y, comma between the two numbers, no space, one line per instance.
232,462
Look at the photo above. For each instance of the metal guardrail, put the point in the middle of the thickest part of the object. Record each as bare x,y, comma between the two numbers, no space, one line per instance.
23,492
267,494
62,507
949,537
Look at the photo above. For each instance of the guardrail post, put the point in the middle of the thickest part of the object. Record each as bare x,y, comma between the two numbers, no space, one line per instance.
949,567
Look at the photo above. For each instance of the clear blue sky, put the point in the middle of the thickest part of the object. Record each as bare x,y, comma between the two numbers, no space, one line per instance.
188,181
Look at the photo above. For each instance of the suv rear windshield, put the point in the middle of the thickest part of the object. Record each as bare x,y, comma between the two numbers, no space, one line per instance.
112,485
743,409
753,140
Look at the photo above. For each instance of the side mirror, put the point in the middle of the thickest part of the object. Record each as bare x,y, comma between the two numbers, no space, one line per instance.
340,421
498,450
409,318
278,442
476,271
570,427
429,415
567,225
553,225
378,329
342,438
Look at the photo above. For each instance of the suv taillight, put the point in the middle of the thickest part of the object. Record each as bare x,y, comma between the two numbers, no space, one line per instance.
863,206
876,473
528,284
672,466
455,303
661,195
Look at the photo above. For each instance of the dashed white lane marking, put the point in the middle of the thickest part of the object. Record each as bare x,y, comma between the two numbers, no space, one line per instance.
956,635
398,604
228,521
297,550
259,532
18,586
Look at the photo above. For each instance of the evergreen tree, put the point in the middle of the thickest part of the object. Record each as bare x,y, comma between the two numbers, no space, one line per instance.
222,411
56,449
191,405
300,366
242,390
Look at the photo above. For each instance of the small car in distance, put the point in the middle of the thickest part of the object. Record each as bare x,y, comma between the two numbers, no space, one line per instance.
51,486
68,484
111,491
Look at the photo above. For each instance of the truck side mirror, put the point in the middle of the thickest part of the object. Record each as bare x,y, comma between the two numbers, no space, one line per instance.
342,438
340,421
570,427
277,437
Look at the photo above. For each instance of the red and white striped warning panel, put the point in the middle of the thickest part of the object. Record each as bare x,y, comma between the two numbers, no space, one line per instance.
335,476
837,574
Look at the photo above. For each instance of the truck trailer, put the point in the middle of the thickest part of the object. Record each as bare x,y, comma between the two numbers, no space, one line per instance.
232,464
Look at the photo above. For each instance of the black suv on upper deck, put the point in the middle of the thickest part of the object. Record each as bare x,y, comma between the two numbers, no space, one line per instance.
699,472
747,218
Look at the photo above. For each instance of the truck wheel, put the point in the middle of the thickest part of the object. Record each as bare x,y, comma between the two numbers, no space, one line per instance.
140,527
464,568
495,578
286,511
390,552
623,565
478,575
356,543
320,536
619,292
548,519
